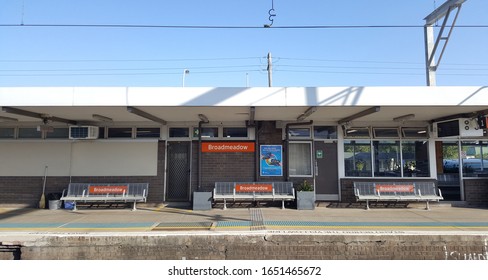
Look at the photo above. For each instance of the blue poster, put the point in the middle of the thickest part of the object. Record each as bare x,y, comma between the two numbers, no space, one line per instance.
271,160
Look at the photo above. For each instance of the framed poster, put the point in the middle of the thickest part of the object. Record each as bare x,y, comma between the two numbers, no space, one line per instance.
271,160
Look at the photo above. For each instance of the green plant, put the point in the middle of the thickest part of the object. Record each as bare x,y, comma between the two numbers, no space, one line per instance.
305,186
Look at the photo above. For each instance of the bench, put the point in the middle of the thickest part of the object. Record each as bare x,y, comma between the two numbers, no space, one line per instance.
397,192
254,191
93,192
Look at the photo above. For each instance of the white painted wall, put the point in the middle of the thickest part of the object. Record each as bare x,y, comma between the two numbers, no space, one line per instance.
82,158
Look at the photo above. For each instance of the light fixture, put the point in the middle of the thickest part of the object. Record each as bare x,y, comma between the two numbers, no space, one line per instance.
361,114
145,115
307,113
404,118
7,119
203,118
102,118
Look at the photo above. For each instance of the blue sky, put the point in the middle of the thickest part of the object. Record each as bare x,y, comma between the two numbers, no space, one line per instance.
102,56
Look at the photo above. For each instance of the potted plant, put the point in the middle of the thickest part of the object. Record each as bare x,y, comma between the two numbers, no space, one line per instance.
305,196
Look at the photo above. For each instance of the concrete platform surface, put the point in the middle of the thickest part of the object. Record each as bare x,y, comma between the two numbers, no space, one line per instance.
164,219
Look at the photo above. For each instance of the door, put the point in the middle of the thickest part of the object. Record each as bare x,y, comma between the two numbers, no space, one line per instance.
448,170
178,186
326,171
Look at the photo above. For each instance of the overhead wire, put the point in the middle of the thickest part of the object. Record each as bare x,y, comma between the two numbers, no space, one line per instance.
229,26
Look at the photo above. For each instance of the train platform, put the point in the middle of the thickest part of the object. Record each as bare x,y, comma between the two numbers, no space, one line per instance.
167,218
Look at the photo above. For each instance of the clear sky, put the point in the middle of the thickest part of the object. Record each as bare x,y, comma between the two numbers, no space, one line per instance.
217,57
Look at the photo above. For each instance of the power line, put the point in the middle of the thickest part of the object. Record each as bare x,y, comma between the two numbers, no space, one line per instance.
228,26
129,60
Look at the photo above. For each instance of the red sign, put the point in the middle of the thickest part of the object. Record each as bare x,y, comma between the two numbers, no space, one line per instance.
107,189
394,188
228,147
254,188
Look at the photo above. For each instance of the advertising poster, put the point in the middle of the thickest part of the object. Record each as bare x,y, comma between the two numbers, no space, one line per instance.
271,160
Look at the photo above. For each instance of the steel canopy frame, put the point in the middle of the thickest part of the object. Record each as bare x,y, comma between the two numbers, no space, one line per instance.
430,46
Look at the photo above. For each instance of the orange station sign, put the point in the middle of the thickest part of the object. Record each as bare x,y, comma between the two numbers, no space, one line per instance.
254,188
228,147
394,188
107,189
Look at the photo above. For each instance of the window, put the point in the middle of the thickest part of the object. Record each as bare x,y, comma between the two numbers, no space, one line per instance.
230,132
386,158
58,133
7,132
299,132
207,132
415,159
29,132
385,132
300,159
119,132
475,158
148,132
179,132
357,132
414,132
357,158
325,132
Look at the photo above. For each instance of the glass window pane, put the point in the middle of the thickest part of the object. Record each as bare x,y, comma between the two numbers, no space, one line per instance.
207,132
386,132
325,132
386,158
29,132
357,158
415,159
148,132
300,159
357,132
119,132
58,133
7,132
175,132
235,132
413,132
474,158
299,132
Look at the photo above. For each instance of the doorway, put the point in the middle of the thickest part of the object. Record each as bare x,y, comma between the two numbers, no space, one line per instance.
448,170
178,185
326,171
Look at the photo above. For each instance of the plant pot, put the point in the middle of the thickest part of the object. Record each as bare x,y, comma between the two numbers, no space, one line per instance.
306,200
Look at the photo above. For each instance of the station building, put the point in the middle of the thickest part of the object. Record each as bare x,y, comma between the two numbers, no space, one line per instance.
182,140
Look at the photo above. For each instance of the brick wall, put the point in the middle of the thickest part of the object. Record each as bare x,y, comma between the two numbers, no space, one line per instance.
476,191
26,191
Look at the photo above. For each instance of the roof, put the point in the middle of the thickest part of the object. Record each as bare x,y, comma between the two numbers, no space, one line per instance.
273,103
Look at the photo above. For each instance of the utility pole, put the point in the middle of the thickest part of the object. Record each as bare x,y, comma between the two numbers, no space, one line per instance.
270,70
432,43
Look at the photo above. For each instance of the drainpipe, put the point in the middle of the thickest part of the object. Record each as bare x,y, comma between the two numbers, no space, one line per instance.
199,187
287,141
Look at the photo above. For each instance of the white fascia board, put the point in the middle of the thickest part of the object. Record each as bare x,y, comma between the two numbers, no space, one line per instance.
257,96
36,96
160,96
387,96
100,96
63,96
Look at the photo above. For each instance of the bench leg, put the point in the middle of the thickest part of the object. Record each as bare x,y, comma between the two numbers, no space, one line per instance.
134,207
225,204
367,204
282,204
427,205
74,206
